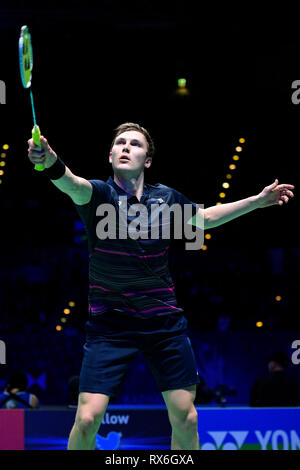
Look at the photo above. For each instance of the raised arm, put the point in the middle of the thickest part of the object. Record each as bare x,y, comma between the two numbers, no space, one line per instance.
275,194
79,189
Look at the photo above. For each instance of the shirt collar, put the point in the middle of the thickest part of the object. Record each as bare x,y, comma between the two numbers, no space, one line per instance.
121,191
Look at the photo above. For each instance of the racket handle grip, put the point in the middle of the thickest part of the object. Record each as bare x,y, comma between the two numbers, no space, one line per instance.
36,137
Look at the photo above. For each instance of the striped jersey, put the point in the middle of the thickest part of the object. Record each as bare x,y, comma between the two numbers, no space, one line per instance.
128,242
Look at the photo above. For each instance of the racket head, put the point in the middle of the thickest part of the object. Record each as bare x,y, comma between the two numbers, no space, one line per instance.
25,57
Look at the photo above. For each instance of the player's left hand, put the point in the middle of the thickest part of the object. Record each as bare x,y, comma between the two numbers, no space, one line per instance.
275,194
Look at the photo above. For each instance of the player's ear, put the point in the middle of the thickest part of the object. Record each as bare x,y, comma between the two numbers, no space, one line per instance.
109,157
148,162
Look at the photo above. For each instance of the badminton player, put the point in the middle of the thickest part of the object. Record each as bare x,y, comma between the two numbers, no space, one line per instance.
132,304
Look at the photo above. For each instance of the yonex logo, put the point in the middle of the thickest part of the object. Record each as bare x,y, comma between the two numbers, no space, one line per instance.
2,92
156,200
159,200
219,437
278,439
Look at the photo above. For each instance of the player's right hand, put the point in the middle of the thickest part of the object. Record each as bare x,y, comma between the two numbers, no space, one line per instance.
41,156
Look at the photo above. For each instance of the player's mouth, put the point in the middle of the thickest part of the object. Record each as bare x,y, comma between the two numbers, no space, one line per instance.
124,158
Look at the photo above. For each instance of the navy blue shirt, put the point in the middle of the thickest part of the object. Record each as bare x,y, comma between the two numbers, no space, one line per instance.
131,275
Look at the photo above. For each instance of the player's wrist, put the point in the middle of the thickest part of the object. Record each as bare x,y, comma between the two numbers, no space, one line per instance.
256,201
50,160
56,170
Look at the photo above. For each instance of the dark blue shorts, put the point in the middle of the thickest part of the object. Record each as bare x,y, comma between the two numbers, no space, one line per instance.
114,340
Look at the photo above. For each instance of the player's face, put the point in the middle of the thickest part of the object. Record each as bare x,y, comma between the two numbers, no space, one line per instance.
128,155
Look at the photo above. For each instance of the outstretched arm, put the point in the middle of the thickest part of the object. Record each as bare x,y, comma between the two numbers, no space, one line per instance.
79,189
275,194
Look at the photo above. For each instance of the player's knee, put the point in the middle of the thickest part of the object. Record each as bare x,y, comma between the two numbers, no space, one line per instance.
87,424
192,419
186,420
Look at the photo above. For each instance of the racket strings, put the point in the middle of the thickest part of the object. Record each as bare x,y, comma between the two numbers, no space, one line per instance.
27,55
25,47
27,64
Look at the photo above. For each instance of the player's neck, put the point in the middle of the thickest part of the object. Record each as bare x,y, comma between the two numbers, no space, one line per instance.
132,185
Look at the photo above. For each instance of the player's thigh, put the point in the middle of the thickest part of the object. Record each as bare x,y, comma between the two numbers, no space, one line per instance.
180,403
91,407
172,363
180,399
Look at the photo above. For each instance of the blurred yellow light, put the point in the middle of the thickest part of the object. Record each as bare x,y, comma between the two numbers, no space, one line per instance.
242,140
63,320
67,311
0,181
218,203
2,163
3,155
71,304
58,328
278,298
259,324
204,247
228,176
235,157
225,185
5,147
232,166
222,194
238,149
182,91
208,236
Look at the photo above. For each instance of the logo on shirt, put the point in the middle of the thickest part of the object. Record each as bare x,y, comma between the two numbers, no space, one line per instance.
160,200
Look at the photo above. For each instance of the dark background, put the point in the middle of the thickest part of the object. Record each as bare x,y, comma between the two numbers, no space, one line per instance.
97,65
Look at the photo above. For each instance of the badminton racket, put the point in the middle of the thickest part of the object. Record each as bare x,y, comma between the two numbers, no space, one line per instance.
26,66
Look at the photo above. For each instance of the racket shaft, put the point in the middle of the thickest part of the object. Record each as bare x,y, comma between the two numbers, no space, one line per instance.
36,137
